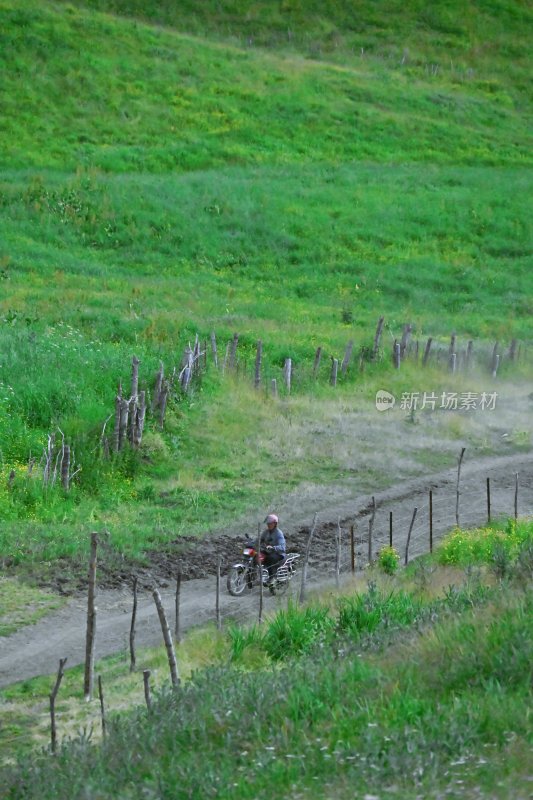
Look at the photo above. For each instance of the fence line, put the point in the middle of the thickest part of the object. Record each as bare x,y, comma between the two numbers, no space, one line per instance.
409,530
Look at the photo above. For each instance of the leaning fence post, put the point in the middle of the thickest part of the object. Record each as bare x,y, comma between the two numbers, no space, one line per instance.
217,604
457,490
132,626
409,537
390,528
171,655
425,358
516,496
102,706
53,695
147,693
488,501
306,559
352,547
430,521
377,337
91,621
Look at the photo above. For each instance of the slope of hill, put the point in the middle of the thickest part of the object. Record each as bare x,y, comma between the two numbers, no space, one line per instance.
156,182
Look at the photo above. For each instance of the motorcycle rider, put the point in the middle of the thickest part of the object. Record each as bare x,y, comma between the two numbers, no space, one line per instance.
273,545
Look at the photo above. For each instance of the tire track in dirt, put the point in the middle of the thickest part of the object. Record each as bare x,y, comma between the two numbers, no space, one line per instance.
34,650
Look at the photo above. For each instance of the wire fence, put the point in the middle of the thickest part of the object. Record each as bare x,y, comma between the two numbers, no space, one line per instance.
336,551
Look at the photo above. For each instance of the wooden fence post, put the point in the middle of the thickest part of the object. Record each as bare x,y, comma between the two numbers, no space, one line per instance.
427,350
352,547
371,529
338,553
156,397
495,366
488,501
91,622
274,387
457,490
512,350
390,528
316,365
452,349
347,357
493,357
102,706
303,586
132,626
116,429
177,598
377,338
516,496
258,358
233,352
453,363
171,655
53,695
287,374
397,354
406,335
469,351
147,692
409,537
334,370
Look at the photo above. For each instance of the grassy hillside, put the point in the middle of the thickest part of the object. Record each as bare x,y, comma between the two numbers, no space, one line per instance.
485,42
161,181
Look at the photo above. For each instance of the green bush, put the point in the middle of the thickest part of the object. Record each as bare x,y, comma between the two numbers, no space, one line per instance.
388,560
495,546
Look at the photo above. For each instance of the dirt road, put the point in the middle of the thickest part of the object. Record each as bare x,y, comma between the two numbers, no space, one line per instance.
35,650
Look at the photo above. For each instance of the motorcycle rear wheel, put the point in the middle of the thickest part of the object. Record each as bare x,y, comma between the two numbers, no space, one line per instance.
237,580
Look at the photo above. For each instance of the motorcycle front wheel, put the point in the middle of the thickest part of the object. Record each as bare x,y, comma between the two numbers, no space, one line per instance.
237,580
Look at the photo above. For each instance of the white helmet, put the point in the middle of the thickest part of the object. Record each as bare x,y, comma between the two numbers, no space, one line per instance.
271,518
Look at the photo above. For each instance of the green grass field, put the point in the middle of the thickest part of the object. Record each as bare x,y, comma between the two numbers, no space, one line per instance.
288,172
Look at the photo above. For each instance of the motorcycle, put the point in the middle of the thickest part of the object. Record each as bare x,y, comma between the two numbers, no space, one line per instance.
244,575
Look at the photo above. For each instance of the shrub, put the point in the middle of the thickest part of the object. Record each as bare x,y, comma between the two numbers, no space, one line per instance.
388,560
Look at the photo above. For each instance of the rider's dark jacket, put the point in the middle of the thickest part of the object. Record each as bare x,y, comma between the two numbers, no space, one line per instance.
276,539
